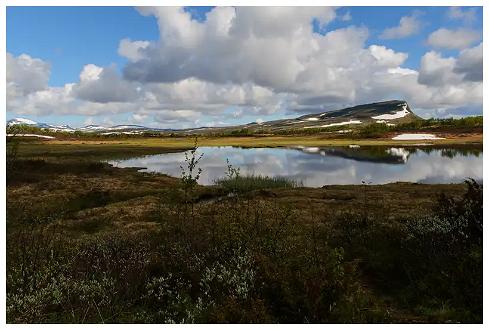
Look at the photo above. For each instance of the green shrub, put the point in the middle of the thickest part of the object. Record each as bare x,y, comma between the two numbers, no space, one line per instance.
443,253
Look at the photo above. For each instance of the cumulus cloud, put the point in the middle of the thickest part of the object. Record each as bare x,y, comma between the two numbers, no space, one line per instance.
99,91
408,25
387,57
251,62
235,45
104,85
453,39
469,63
437,71
132,49
453,88
26,74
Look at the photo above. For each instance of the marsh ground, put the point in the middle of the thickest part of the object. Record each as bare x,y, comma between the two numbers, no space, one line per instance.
87,242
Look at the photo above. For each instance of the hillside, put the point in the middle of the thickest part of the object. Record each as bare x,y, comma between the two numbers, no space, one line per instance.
388,112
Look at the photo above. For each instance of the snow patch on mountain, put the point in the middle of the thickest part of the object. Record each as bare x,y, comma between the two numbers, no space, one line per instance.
93,128
398,114
21,121
350,122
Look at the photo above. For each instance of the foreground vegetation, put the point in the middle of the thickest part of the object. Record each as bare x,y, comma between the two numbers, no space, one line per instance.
90,243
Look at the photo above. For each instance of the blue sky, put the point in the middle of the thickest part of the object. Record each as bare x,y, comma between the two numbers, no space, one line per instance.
69,38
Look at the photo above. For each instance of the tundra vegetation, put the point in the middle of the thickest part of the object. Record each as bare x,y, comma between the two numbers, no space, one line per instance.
90,243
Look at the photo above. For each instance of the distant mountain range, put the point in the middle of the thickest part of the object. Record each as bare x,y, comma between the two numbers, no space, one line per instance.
117,129
388,112
28,122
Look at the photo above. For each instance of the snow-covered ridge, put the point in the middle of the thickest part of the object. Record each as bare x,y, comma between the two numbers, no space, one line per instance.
21,121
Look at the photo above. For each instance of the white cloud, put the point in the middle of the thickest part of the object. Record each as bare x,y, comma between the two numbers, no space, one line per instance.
408,25
453,39
387,57
90,72
437,71
458,13
139,118
247,61
132,49
247,44
298,70
449,88
470,64
26,74
104,85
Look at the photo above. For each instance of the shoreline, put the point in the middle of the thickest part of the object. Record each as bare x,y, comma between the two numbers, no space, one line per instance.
272,141
120,149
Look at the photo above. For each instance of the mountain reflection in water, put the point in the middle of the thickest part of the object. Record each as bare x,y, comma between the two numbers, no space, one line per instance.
318,166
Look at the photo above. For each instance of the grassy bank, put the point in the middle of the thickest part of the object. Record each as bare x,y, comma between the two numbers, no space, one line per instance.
89,243
139,146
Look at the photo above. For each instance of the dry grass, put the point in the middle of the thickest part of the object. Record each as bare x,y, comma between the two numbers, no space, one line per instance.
133,146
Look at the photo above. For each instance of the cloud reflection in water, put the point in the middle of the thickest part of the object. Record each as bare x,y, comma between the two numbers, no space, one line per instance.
315,167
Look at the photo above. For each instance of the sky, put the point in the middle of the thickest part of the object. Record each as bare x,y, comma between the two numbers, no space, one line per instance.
179,67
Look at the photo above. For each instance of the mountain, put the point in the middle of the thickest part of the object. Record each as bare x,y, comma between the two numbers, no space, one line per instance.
28,122
388,112
118,129
94,128
121,129
21,121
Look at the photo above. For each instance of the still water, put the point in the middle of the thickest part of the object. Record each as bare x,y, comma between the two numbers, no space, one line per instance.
316,167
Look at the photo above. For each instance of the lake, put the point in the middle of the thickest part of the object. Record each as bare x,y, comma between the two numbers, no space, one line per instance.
319,166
